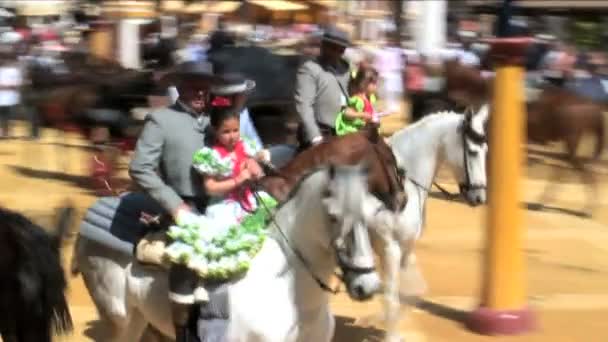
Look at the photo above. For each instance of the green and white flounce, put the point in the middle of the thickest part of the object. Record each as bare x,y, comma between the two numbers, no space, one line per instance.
209,161
218,252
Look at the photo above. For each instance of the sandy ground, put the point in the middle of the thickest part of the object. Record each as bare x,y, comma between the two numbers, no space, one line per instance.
567,265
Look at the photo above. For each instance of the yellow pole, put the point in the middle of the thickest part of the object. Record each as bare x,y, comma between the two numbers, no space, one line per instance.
503,308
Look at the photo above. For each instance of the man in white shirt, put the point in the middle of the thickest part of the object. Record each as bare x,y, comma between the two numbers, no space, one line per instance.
11,80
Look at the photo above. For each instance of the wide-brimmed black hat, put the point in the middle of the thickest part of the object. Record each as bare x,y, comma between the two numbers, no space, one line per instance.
191,70
232,83
336,36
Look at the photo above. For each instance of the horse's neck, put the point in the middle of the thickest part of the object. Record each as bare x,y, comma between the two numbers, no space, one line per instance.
301,221
421,146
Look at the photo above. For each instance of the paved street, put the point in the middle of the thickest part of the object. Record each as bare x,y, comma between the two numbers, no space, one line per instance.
566,255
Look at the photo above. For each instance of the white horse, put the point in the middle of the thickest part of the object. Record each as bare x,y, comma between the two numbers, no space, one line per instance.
460,141
284,295
457,139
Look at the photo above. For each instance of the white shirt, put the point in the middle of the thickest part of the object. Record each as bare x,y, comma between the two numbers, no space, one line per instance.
10,76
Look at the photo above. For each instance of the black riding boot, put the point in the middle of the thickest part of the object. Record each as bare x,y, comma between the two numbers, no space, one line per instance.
182,282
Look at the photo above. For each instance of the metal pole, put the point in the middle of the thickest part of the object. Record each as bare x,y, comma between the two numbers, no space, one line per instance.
503,308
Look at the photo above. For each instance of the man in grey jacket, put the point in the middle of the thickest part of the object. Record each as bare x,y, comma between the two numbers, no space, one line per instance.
321,89
162,167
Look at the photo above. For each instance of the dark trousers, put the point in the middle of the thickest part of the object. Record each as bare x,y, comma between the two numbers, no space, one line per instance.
182,283
6,113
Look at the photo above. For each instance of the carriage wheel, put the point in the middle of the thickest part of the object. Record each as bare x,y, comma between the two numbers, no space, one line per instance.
103,170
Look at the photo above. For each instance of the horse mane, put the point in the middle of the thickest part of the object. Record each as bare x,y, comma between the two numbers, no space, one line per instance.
33,283
296,187
411,132
426,120
344,150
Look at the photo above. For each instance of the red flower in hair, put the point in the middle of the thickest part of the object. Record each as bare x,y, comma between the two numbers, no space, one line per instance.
220,101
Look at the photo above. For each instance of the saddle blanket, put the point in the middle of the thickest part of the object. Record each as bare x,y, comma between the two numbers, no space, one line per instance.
115,221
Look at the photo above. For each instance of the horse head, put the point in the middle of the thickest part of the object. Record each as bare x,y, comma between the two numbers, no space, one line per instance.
345,200
471,168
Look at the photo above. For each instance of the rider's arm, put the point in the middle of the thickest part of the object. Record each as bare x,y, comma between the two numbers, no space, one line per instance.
146,160
220,187
304,97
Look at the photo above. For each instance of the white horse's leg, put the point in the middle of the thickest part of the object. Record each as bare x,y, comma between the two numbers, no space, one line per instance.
153,335
150,289
391,293
134,328
105,281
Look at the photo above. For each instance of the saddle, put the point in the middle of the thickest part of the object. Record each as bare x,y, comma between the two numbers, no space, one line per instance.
119,222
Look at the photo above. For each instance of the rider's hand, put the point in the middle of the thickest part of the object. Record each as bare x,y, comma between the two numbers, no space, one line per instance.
254,168
243,176
263,155
185,217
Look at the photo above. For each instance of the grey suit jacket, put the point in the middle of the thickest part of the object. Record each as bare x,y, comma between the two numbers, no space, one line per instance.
318,97
169,139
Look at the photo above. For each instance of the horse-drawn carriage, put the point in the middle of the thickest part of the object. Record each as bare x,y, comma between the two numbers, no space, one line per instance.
81,93
271,105
95,97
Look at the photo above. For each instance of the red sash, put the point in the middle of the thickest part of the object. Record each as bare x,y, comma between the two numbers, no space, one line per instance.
241,195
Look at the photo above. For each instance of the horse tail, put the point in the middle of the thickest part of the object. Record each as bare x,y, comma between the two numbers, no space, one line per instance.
39,277
61,319
74,267
600,131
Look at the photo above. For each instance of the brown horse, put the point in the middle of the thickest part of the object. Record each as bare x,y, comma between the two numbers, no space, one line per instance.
465,86
385,176
560,115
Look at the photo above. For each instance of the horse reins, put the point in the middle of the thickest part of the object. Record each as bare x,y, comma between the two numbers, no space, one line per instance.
294,250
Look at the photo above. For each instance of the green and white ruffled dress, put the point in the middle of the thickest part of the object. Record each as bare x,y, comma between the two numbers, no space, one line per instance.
227,237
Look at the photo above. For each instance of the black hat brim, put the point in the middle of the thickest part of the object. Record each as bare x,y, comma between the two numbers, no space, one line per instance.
338,42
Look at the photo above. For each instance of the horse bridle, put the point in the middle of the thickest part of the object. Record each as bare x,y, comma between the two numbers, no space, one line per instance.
476,138
343,264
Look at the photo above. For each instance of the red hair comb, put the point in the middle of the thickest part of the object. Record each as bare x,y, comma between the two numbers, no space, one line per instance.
220,101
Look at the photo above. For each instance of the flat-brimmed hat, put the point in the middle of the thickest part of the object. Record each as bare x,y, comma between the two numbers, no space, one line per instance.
191,70
232,83
336,36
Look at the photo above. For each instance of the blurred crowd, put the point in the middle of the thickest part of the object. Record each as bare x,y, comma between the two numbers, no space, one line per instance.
400,69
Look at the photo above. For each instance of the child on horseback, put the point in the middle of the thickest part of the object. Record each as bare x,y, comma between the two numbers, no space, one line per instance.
359,110
220,246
